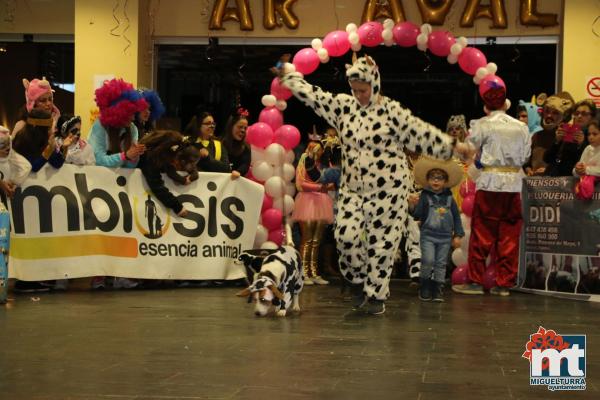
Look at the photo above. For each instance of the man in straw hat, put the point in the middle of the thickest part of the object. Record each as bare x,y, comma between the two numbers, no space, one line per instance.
372,205
440,222
504,144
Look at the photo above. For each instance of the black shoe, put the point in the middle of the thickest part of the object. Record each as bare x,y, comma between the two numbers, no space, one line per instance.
358,295
425,290
436,291
30,287
376,307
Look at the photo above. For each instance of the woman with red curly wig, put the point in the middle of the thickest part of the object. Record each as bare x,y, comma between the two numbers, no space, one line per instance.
114,136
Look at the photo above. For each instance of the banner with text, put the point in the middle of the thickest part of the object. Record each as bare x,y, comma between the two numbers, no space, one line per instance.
560,251
87,221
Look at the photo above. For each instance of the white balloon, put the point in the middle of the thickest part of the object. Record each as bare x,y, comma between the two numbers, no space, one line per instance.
456,49
422,47
290,189
459,257
281,105
262,170
476,80
256,154
464,243
274,154
452,58
463,41
492,68
422,38
466,222
389,43
351,27
285,204
289,68
356,47
316,44
269,245
278,171
262,235
388,23
481,72
507,104
275,186
290,156
353,38
426,29
323,54
387,34
268,100
288,172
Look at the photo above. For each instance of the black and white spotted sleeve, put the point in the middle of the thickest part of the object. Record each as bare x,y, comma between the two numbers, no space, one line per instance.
325,104
418,135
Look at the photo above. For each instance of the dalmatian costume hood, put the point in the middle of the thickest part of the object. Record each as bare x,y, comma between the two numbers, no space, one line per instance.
375,182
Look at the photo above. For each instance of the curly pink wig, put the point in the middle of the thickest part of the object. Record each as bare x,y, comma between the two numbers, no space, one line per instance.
118,102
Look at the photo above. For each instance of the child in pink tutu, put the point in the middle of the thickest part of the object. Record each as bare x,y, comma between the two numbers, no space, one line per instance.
313,210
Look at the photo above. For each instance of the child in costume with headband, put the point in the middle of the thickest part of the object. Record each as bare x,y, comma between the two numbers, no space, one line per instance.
313,209
79,152
372,207
504,145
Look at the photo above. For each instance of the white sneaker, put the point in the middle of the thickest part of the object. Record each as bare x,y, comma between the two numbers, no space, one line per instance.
308,281
124,283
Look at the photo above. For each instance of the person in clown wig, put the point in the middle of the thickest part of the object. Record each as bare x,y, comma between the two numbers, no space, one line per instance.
372,205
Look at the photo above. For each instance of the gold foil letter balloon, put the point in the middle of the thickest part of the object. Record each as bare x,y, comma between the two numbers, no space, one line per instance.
222,13
376,9
474,10
284,9
434,12
530,16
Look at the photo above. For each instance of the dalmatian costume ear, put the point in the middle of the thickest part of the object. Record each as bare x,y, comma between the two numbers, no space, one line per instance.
276,292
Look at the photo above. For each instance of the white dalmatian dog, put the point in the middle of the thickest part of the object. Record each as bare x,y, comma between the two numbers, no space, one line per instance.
372,204
277,284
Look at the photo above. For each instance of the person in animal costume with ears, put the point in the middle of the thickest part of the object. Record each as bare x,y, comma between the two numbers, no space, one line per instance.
372,214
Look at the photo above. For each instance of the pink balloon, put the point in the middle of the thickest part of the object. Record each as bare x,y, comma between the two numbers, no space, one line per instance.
467,205
273,117
279,91
306,61
260,134
460,275
439,43
369,33
288,136
467,188
272,218
267,203
276,236
336,43
405,34
489,277
471,59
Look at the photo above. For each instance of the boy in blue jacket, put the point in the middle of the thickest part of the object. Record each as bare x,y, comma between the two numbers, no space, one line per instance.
439,220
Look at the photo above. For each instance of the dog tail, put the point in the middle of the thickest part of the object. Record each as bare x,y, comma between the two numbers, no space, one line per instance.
289,240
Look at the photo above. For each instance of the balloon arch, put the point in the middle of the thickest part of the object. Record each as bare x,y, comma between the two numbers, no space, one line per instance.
272,142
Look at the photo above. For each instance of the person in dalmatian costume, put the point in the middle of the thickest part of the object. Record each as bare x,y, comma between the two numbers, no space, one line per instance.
373,207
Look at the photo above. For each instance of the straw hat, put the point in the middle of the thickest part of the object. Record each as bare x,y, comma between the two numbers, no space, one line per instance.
426,164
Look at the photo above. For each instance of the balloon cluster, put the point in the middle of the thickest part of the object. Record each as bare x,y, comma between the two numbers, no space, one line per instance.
271,143
405,34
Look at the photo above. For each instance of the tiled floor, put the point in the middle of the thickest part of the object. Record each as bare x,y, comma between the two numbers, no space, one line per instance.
206,343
